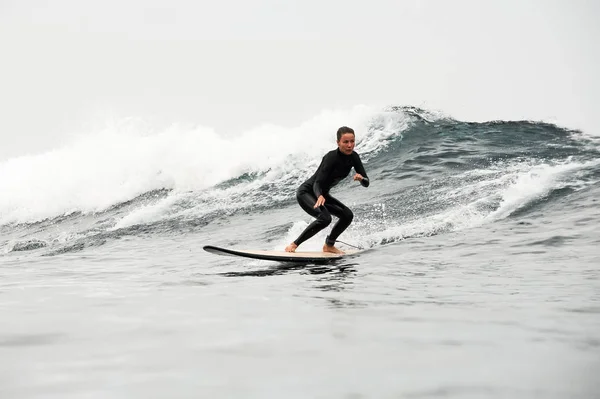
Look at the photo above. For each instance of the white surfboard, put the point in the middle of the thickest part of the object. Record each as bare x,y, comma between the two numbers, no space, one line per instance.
281,256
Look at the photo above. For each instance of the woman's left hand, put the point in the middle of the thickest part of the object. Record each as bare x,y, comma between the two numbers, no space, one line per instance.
358,176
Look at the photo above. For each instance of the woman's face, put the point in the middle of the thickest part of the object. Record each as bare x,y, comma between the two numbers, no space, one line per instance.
346,143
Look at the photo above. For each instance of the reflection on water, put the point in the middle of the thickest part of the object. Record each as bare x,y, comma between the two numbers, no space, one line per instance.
285,268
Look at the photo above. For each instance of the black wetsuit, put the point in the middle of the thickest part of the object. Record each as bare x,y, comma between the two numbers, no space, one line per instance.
333,168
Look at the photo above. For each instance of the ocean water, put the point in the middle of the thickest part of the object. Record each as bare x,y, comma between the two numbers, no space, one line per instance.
480,276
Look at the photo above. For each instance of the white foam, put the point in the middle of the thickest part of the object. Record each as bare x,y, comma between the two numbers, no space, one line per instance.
146,214
503,189
126,159
535,183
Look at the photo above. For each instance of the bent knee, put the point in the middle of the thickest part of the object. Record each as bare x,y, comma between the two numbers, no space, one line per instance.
348,215
324,219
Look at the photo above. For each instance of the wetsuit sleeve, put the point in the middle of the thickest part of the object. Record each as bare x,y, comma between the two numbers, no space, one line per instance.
359,168
322,173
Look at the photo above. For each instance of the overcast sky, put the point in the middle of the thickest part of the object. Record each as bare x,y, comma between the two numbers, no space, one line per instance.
66,65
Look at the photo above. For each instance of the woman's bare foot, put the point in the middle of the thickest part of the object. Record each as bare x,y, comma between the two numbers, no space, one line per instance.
332,249
291,248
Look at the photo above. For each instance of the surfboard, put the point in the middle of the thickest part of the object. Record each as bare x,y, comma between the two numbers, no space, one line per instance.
281,256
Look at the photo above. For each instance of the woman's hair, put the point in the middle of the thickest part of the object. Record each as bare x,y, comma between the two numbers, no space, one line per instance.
343,130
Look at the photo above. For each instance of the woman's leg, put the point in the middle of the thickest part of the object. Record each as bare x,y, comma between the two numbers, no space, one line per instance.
307,201
345,215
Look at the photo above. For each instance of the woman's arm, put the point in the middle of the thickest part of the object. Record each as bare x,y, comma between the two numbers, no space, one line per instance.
361,173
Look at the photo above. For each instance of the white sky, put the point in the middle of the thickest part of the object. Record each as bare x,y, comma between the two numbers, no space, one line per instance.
232,65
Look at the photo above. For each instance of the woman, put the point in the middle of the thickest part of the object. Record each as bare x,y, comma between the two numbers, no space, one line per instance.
313,195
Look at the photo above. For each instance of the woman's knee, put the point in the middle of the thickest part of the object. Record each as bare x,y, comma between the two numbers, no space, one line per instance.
348,215
324,219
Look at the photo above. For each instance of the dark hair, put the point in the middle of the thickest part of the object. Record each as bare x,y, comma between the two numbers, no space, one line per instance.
343,130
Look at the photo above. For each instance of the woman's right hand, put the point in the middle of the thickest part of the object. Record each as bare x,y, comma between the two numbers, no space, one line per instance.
320,201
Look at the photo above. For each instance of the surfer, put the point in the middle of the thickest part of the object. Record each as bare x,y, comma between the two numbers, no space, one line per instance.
313,195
